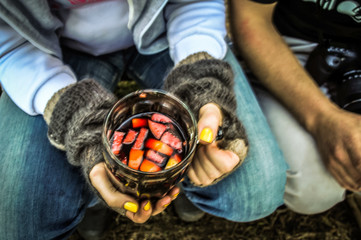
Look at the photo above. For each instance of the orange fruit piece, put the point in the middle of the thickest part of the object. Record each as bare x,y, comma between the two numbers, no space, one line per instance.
139,122
173,160
159,146
135,158
149,166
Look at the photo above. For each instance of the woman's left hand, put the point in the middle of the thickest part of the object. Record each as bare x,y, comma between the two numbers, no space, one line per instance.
210,162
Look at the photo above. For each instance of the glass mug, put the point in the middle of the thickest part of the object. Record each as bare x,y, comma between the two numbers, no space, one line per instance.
141,184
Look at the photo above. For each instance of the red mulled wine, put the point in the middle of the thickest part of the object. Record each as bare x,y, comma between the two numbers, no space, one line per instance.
149,142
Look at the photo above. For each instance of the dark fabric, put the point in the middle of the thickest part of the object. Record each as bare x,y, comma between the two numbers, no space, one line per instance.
315,20
265,1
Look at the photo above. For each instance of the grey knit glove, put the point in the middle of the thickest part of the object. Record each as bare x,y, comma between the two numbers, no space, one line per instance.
201,79
75,116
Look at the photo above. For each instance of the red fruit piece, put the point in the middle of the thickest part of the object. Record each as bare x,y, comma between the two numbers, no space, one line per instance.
172,139
123,158
157,128
139,142
155,157
117,142
135,158
173,160
139,122
157,117
131,135
158,146
149,166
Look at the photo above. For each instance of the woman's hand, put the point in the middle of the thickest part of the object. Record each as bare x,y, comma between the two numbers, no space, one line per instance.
210,162
138,212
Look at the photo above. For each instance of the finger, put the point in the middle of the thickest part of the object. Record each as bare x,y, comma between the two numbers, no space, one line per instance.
174,192
204,168
210,118
115,199
341,176
161,205
143,214
196,173
345,158
354,152
222,160
192,175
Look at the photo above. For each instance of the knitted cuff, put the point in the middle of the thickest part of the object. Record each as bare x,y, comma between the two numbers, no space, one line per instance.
60,109
75,117
207,81
195,58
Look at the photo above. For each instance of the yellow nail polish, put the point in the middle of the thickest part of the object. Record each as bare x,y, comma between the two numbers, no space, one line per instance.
206,135
175,196
147,206
132,207
166,205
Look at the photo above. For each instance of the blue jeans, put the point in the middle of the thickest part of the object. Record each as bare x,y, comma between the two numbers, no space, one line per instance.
43,197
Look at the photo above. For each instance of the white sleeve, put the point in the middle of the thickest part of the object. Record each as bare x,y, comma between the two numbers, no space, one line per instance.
195,26
28,75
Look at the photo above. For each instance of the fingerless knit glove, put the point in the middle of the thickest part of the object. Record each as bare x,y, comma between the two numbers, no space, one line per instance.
201,79
75,116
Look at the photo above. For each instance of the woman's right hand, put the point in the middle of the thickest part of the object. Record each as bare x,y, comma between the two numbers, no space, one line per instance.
138,212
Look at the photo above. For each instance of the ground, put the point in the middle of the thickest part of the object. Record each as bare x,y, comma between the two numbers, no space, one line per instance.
335,224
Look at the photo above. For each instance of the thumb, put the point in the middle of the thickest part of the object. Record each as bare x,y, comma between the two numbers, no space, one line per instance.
210,118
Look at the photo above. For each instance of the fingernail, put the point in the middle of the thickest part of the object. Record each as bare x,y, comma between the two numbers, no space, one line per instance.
147,206
206,135
175,196
132,207
166,205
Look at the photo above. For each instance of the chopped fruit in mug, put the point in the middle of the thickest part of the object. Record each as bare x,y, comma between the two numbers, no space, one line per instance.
170,138
157,129
123,158
157,117
173,160
117,142
158,146
139,122
148,142
135,158
154,156
131,135
139,142
149,166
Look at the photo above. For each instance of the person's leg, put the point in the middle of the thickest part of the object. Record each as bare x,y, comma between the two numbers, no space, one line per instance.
41,195
256,188
149,71
310,187
101,68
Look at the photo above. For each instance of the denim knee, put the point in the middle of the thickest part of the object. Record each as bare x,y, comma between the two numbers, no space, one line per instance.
251,192
41,195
